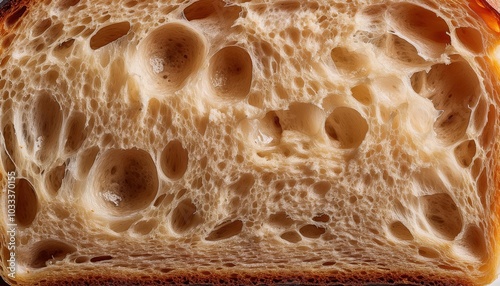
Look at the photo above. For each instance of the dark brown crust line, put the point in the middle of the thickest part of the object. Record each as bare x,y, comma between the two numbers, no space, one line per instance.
261,278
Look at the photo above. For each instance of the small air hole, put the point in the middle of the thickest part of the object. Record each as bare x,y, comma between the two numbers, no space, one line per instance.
100,258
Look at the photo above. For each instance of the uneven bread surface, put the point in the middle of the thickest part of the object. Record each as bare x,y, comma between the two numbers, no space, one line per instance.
242,140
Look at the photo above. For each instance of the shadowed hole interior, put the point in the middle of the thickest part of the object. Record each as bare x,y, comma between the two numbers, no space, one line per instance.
46,116
362,94
346,126
465,152
428,252
243,185
26,202
185,216
474,242
421,27
312,231
453,89
225,230
174,160
442,214
216,10
108,34
302,117
348,62
124,181
65,4
75,132
49,251
400,231
471,39
54,178
100,258
13,18
402,51
280,219
170,54
41,27
231,72
291,236
145,227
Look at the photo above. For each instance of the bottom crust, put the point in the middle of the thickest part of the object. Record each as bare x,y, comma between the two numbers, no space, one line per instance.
260,278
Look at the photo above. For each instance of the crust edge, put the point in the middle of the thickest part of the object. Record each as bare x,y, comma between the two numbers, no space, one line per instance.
258,278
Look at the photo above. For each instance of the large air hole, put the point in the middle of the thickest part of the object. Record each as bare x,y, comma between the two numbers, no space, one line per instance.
107,35
263,132
400,231
46,117
231,72
465,152
402,51
453,89
170,55
185,216
347,127
225,230
54,178
442,215
174,160
291,236
13,18
303,117
202,9
482,187
428,252
312,231
421,27
54,32
124,181
321,218
41,27
85,160
10,141
474,242
349,63
26,202
322,188
280,219
471,39
243,185
488,135
216,10
145,227
65,4
362,94
48,252
75,132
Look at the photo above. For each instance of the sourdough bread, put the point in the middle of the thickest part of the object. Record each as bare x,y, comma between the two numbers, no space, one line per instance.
250,142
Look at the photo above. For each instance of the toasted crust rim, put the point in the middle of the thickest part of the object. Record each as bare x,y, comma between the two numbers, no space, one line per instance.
307,277
10,7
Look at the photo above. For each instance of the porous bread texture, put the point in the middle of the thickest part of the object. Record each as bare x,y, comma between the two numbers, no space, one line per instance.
318,137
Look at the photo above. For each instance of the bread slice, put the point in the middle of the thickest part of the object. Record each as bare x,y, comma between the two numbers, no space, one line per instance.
249,142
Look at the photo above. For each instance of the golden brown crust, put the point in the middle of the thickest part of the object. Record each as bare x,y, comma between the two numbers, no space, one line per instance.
12,11
260,278
488,11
